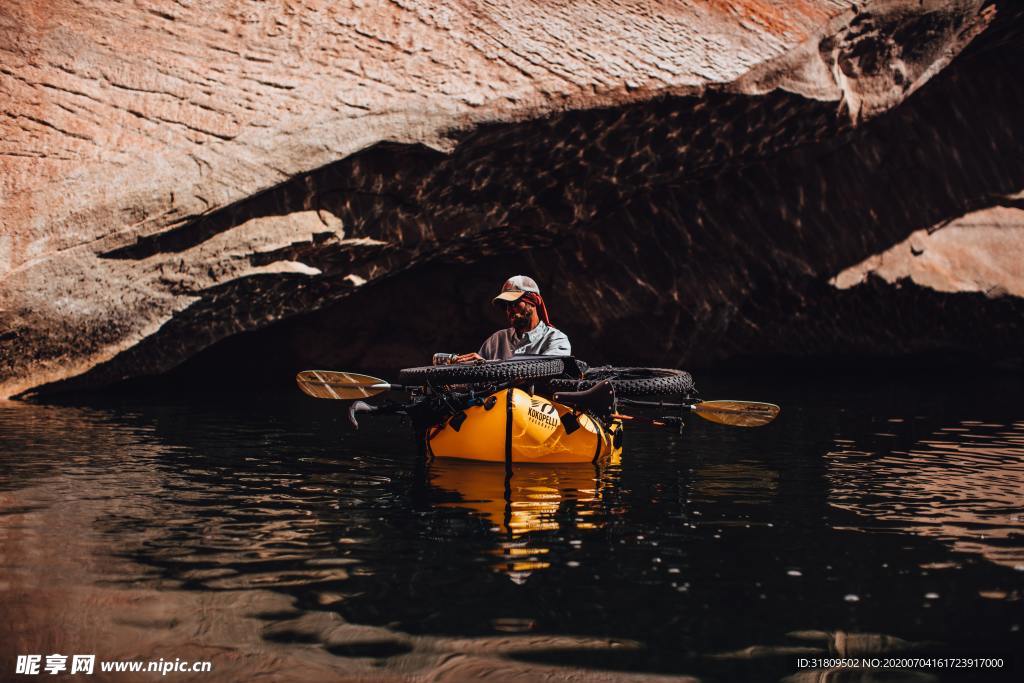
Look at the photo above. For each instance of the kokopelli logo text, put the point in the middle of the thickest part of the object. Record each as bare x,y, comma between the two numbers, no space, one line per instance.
543,413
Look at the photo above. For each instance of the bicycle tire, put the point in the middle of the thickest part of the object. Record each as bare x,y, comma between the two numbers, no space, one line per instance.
632,381
490,371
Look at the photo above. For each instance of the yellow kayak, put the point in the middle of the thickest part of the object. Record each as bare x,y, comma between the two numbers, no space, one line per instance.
513,424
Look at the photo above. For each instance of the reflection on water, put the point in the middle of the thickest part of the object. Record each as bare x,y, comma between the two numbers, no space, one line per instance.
962,483
537,498
749,482
266,537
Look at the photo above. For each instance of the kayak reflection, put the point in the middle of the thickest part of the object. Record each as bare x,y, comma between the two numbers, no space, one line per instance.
534,499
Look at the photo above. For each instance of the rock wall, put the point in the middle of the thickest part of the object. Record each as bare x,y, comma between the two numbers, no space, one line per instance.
685,180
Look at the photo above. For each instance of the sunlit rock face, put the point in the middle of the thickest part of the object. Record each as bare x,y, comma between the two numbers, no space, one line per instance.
688,183
980,252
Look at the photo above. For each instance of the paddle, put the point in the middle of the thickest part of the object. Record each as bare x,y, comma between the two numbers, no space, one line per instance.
733,413
737,413
350,386
341,385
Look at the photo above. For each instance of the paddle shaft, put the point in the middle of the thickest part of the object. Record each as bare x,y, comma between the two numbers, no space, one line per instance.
380,386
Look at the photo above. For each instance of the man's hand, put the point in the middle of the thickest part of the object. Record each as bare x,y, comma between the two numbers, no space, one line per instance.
468,357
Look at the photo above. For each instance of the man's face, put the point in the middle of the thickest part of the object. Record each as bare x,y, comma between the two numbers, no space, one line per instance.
519,314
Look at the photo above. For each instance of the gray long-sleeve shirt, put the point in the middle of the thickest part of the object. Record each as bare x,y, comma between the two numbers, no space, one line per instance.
542,340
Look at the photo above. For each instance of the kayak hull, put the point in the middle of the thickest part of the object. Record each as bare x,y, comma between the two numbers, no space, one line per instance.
513,424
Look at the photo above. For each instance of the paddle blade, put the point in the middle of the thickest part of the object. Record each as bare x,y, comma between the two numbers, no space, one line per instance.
737,413
339,385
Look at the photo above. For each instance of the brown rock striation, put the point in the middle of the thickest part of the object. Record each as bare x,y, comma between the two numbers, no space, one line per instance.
175,173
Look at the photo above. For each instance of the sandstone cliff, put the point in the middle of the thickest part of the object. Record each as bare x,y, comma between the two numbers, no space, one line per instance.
691,182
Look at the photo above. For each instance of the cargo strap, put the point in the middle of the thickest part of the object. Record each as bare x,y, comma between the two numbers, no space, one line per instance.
508,431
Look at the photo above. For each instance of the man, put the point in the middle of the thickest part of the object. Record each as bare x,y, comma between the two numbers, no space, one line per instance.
529,331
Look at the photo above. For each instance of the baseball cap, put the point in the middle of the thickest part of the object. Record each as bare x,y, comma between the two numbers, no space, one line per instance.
515,287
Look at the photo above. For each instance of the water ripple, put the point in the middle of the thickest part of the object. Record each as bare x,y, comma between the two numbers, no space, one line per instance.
963,484
271,531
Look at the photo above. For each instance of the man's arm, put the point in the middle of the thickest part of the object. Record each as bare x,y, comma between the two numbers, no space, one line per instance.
488,351
557,344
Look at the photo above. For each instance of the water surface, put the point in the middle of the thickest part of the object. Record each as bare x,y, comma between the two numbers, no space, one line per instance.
876,517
